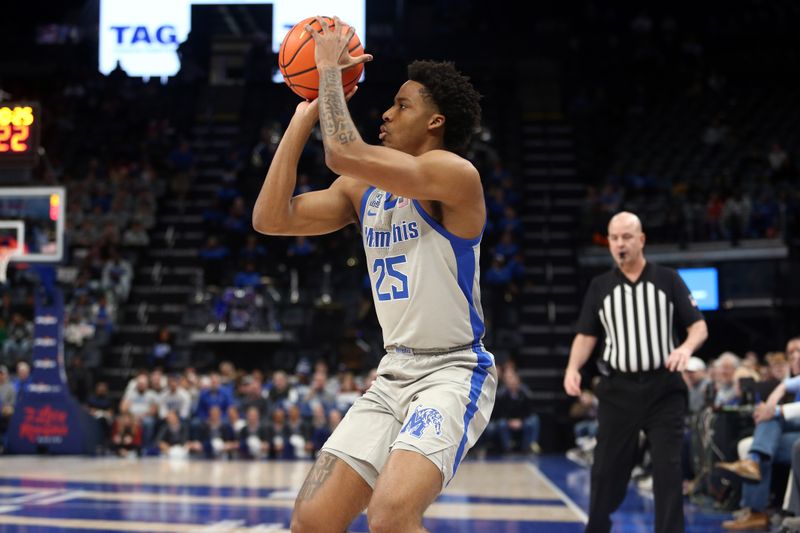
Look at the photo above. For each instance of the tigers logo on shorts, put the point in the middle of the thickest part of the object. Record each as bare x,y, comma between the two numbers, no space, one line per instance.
421,419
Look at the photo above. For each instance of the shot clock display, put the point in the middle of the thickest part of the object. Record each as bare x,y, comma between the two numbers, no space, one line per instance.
19,133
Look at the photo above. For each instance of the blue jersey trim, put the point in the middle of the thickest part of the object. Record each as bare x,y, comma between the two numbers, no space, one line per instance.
466,267
364,199
479,375
455,239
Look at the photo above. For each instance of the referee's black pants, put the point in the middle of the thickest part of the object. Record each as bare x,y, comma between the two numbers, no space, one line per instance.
654,402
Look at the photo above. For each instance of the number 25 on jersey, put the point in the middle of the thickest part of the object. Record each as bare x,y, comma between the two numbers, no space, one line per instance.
396,287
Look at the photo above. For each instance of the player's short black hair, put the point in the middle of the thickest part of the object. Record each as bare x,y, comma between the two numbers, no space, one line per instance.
454,96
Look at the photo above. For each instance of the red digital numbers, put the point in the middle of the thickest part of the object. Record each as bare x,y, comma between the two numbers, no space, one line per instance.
12,138
15,128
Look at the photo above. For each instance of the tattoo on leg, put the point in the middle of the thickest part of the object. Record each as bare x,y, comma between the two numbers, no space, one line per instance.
334,118
320,472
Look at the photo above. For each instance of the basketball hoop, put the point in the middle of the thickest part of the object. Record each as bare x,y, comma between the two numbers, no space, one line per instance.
6,253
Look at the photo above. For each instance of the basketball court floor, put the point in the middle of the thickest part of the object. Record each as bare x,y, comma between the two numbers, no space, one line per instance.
53,494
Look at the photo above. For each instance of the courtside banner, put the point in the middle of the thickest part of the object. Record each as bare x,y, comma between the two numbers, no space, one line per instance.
47,419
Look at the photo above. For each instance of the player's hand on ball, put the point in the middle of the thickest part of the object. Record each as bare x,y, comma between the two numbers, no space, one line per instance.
331,45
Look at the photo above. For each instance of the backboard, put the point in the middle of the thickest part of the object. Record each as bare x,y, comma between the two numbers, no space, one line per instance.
36,216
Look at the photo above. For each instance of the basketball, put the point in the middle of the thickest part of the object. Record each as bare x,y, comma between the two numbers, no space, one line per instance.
296,60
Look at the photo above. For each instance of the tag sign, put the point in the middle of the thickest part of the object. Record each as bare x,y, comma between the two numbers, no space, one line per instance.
143,36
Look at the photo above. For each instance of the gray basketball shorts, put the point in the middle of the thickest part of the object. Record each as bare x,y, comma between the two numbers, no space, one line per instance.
435,405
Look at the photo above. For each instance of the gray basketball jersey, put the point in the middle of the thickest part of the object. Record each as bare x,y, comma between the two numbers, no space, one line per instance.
425,280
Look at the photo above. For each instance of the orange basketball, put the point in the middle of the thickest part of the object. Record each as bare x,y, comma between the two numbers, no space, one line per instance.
296,60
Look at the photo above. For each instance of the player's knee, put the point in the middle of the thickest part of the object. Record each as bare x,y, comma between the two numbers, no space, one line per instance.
306,522
386,516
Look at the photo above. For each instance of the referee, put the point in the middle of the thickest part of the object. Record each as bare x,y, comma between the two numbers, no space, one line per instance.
637,306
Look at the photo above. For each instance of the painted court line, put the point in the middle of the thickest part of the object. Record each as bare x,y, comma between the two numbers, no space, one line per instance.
98,525
566,499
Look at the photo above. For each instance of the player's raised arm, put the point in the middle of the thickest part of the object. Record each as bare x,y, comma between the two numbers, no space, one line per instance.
276,212
416,160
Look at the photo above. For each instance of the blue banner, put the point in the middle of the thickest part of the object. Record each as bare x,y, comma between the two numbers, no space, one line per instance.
47,419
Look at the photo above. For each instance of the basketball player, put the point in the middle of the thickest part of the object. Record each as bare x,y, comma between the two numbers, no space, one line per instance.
421,211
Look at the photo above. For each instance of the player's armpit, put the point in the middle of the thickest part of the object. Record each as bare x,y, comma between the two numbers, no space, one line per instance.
314,213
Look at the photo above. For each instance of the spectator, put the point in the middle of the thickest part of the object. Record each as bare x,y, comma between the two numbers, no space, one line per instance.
215,437
714,216
772,442
79,379
212,397
227,377
511,222
280,447
735,217
136,236
253,250
716,133
254,436
281,392
725,390
161,353
126,435
142,404
8,398
100,407
299,434
253,396
507,247
175,398
584,412
213,256
300,248
318,394
19,339
697,383
248,277
20,381
235,420
320,429
173,436
117,276
348,391
778,159
514,415
778,366
158,381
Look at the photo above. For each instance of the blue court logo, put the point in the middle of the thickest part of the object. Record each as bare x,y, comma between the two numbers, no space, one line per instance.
421,419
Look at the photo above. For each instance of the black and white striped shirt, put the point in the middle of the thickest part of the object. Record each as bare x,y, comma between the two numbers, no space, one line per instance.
638,318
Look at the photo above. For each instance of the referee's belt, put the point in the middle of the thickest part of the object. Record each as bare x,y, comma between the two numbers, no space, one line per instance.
639,375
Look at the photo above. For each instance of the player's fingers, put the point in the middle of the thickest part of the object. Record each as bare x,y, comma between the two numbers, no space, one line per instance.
350,33
363,58
310,29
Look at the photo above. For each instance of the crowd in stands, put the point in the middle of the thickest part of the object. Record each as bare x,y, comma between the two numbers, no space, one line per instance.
707,152
684,211
231,413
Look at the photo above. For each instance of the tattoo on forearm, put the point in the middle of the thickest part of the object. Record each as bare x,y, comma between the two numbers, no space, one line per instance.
333,114
321,471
